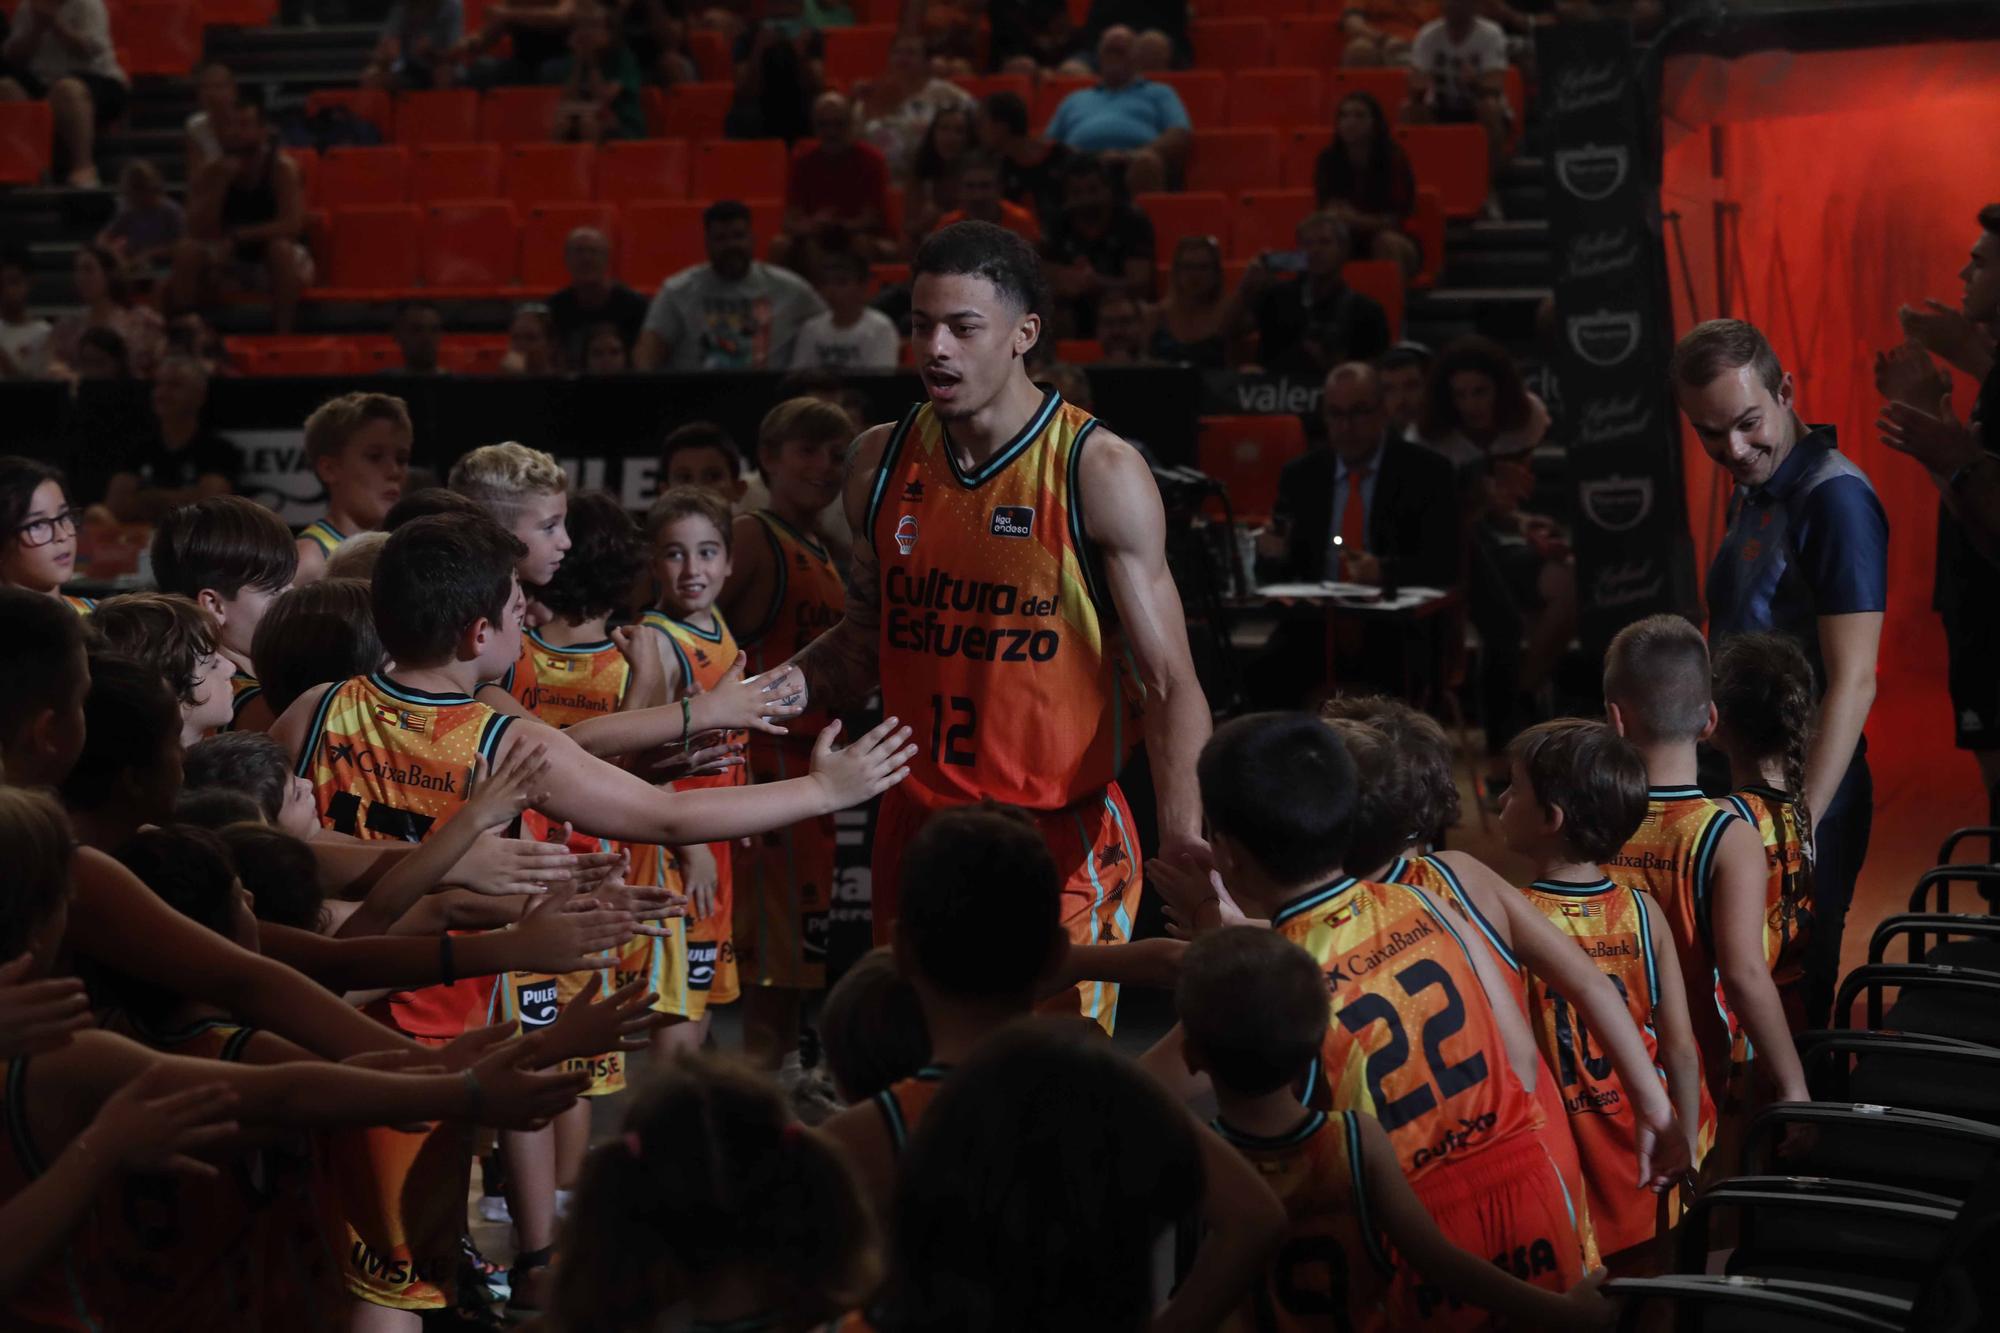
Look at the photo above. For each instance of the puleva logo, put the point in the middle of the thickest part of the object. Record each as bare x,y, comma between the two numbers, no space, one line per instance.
1617,504
1014,521
906,534
1593,172
1605,338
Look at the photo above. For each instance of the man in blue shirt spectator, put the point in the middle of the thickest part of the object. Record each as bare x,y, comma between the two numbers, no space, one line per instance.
1806,555
1133,124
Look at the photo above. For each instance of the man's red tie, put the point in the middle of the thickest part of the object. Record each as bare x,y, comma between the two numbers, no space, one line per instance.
1354,515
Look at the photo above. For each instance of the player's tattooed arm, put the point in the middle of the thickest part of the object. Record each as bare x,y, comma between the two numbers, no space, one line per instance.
841,666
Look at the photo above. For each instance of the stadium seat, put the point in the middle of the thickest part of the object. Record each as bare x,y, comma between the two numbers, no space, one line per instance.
1267,220
692,110
518,115
441,172
307,161
1231,43
1079,351
351,176
451,116
1426,226
158,38
26,130
877,11
1451,159
238,13
1233,160
1050,95
1381,280
1268,9
739,169
661,239
1274,97
315,356
1515,89
895,214
544,229
710,51
1190,214
369,251
370,104
475,245
1389,87
1246,454
1311,40
551,173
1299,148
983,86
859,52
634,169
1204,92
472,354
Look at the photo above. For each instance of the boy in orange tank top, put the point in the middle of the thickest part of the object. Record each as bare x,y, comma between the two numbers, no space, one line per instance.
1577,794
527,493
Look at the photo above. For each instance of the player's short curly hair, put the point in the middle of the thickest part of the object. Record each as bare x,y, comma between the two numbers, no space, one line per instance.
604,561
164,631
984,250
501,476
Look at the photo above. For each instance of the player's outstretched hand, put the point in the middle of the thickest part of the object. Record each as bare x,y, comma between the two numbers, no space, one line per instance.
501,792
559,934
1665,1157
1593,1311
590,1026
473,1045
874,763
754,703
513,1095
701,877
646,904
1186,887
500,866
38,1016
148,1125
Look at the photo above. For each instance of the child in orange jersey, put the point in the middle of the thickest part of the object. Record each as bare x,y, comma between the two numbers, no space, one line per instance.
784,590
527,493
716,1203
174,637
1424,1032
701,454
1704,866
1578,793
358,446
232,557
1254,1008
1764,720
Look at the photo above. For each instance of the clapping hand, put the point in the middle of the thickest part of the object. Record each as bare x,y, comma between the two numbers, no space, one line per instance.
1906,374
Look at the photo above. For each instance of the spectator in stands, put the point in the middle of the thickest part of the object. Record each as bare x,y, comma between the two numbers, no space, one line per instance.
1379,32
605,351
61,50
416,46
897,109
107,303
24,340
179,461
419,333
1457,68
1098,245
1031,169
101,355
1152,52
191,335
1363,177
980,200
147,225
778,74
933,188
1402,370
538,31
837,193
600,83
1121,330
1308,324
1479,414
1168,17
1199,319
593,298
531,342
246,213
657,32
851,334
731,313
1138,127
1030,36
214,102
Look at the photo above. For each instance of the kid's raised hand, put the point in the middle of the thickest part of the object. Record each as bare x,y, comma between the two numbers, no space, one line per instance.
560,934
148,1125
38,1016
875,763
499,793
754,703
700,876
512,1095
591,1026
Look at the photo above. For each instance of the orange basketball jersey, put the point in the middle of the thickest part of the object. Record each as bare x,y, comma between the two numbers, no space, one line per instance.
573,684
1672,857
1611,926
390,763
808,599
904,1102
1787,898
242,689
997,639
521,679
83,606
1412,1039
1332,1270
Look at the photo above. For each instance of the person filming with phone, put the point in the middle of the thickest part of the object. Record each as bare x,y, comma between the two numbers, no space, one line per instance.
1308,319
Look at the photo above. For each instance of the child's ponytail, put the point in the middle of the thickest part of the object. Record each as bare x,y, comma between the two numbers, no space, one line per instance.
1765,696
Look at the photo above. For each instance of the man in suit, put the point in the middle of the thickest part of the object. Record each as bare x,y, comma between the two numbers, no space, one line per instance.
1343,512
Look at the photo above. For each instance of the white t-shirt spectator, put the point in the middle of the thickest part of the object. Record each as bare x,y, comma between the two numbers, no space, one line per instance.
50,59
714,324
26,347
869,343
1454,67
202,134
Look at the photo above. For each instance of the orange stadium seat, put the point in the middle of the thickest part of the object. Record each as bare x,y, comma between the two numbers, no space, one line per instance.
440,172
1192,214
544,229
1299,147
350,176
518,115
1426,225
1267,220
1233,160
1246,454
1380,280
859,52
451,116
1050,94
694,110
661,239
634,169
472,353
1311,40
551,173
983,86
895,212
472,245
307,161
739,169
1269,9
370,104
369,250
1079,351
26,130
238,13
1274,96
1389,87
1451,159
313,356
709,50
1515,89
158,38
1204,92
1231,43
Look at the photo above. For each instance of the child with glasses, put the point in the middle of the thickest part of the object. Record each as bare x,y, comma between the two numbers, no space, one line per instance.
37,530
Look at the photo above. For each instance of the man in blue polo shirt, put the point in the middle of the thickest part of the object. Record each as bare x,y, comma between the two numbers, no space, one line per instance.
1128,121
1806,555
